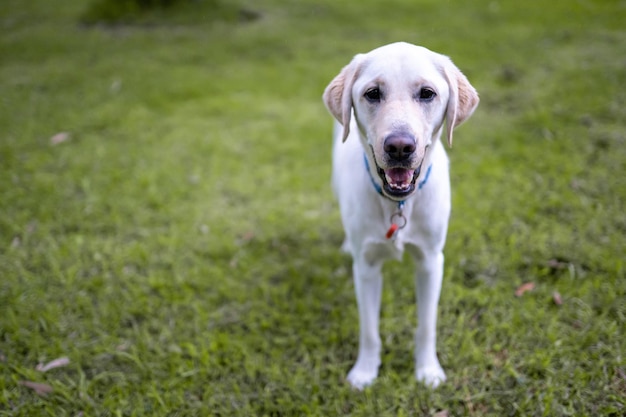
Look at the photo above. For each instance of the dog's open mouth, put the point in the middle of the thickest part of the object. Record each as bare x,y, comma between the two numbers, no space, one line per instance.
398,182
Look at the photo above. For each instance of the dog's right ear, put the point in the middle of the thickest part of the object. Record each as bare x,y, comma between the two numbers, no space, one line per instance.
338,94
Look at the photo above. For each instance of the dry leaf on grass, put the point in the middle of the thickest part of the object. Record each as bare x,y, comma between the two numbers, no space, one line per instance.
59,138
442,413
122,347
556,297
38,387
557,264
57,363
527,286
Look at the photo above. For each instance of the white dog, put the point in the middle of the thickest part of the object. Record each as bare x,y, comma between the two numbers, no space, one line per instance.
390,176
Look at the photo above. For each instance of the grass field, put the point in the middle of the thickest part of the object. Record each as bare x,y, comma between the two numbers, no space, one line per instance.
167,224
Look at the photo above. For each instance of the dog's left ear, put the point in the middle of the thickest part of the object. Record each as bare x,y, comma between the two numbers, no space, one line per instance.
338,94
463,98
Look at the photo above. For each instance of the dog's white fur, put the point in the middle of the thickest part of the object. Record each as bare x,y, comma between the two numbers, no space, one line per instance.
400,72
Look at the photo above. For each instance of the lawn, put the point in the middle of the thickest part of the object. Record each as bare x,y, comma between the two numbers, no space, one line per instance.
167,227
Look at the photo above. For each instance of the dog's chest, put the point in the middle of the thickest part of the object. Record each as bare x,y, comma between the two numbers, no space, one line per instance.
383,248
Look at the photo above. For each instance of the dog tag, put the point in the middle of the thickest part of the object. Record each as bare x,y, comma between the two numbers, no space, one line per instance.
392,230
397,220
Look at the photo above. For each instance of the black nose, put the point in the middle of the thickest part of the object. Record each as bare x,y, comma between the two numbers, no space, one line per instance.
399,147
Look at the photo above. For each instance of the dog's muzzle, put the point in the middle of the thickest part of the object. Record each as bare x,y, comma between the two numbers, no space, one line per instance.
399,147
399,178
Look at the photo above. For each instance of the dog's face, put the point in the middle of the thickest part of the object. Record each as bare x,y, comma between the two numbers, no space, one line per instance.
400,95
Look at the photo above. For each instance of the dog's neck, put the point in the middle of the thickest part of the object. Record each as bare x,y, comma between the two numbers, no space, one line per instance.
398,220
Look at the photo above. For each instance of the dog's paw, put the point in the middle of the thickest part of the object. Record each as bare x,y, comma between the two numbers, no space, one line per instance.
431,376
362,375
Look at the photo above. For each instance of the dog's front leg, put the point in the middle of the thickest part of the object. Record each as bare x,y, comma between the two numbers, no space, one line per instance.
368,286
428,285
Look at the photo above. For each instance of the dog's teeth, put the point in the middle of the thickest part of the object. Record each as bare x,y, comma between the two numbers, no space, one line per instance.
398,178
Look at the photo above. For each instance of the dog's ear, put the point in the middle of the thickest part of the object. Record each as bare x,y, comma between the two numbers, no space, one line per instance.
463,98
338,94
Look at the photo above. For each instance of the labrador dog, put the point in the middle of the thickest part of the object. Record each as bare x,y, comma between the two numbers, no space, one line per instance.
390,176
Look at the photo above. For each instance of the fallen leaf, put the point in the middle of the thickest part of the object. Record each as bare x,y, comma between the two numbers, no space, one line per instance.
59,138
31,228
557,264
442,413
116,85
39,388
527,286
556,297
122,347
245,238
57,363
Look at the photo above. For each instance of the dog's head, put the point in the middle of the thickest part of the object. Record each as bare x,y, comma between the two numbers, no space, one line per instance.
400,95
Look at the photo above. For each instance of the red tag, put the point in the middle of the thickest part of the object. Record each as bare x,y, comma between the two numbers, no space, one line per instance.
392,229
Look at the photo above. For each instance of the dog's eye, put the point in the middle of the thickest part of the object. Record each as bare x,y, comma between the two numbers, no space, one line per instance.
373,94
426,94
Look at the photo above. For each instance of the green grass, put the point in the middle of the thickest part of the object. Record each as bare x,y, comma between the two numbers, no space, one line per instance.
182,247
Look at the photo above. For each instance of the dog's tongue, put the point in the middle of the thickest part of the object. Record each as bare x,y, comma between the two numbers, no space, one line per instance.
399,177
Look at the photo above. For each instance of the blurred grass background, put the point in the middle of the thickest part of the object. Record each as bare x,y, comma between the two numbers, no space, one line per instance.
166,221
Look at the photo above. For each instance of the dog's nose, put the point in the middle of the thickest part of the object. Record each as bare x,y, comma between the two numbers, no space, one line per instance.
399,147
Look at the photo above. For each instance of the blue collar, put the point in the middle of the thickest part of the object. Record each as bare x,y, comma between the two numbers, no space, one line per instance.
379,189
